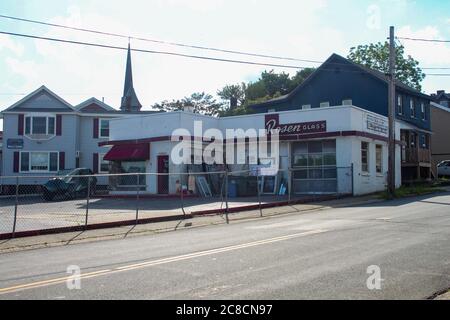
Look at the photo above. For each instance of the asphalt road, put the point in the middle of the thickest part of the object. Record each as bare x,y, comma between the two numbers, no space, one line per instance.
322,254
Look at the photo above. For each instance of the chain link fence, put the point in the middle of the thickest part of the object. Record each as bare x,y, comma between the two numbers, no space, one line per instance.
77,201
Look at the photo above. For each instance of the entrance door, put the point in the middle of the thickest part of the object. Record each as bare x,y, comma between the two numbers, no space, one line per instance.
163,179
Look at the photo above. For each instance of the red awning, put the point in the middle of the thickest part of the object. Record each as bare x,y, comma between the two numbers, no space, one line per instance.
131,151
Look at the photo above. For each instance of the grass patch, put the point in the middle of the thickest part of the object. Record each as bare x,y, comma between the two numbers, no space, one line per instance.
408,191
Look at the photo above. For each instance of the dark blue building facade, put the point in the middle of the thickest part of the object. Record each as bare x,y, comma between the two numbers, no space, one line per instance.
339,81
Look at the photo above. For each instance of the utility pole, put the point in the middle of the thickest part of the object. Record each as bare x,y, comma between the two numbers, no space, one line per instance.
391,114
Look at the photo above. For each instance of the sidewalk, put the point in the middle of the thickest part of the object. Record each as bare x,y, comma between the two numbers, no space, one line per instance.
68,238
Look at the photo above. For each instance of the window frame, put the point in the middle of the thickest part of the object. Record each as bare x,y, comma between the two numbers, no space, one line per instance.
100,160
29,131
367,163
423,111
30,160
379,166
400,104
100,127
412,108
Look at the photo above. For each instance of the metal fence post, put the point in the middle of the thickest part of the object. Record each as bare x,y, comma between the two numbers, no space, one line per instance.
88,196
16,203
289,184
137,198
259,192
181,197
353,180
226,195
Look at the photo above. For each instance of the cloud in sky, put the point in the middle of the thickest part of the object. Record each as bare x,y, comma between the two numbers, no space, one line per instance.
428,53
8,44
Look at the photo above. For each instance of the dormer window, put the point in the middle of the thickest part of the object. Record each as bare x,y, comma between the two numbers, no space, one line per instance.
40,127
324,104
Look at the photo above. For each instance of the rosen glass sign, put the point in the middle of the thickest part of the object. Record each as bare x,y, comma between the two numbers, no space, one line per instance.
272,124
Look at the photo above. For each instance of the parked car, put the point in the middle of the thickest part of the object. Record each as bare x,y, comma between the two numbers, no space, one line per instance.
443,168
71,184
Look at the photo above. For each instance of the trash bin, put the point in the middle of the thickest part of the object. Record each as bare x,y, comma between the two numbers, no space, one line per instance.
232,189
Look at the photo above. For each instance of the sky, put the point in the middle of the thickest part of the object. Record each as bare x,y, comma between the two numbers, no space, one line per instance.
310,30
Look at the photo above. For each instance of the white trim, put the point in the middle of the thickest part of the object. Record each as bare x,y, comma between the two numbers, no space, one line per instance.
367,156
100,128
423,112
43,136
382,158
29,161
412,108
95,101
35,92
400,106
100,159
436,105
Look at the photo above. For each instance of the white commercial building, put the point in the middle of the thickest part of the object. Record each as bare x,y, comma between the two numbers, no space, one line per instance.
336,149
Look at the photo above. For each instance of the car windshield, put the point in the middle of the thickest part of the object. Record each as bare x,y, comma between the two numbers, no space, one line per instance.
64,172
68,176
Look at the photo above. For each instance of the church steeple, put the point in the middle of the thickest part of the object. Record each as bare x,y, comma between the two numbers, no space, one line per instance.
130,102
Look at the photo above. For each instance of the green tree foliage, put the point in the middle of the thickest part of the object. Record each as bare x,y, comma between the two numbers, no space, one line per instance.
376,56
234,93
237,97
200,102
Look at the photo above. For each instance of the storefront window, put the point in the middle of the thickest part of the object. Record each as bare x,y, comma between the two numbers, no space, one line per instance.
132,167
314,164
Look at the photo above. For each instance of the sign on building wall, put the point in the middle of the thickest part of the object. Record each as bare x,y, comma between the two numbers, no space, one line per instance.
272,122
14,143
376,124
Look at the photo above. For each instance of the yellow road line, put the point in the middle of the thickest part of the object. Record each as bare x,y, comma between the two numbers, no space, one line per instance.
49,282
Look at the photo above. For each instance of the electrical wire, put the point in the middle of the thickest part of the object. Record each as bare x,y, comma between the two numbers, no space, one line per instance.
173,53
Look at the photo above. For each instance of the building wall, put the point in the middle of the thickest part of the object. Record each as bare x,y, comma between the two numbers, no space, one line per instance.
64,143
338,81
89,145
440,139
339,118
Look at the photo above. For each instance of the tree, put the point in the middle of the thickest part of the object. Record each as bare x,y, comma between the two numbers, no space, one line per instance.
301,76
376,56
233,93
200,102
269,84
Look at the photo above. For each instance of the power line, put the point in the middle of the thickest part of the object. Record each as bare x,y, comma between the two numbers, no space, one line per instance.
424,40
182,44
158,41
172,53
150,51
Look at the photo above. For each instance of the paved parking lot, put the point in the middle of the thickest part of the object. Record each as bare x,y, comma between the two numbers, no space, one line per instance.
34,214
